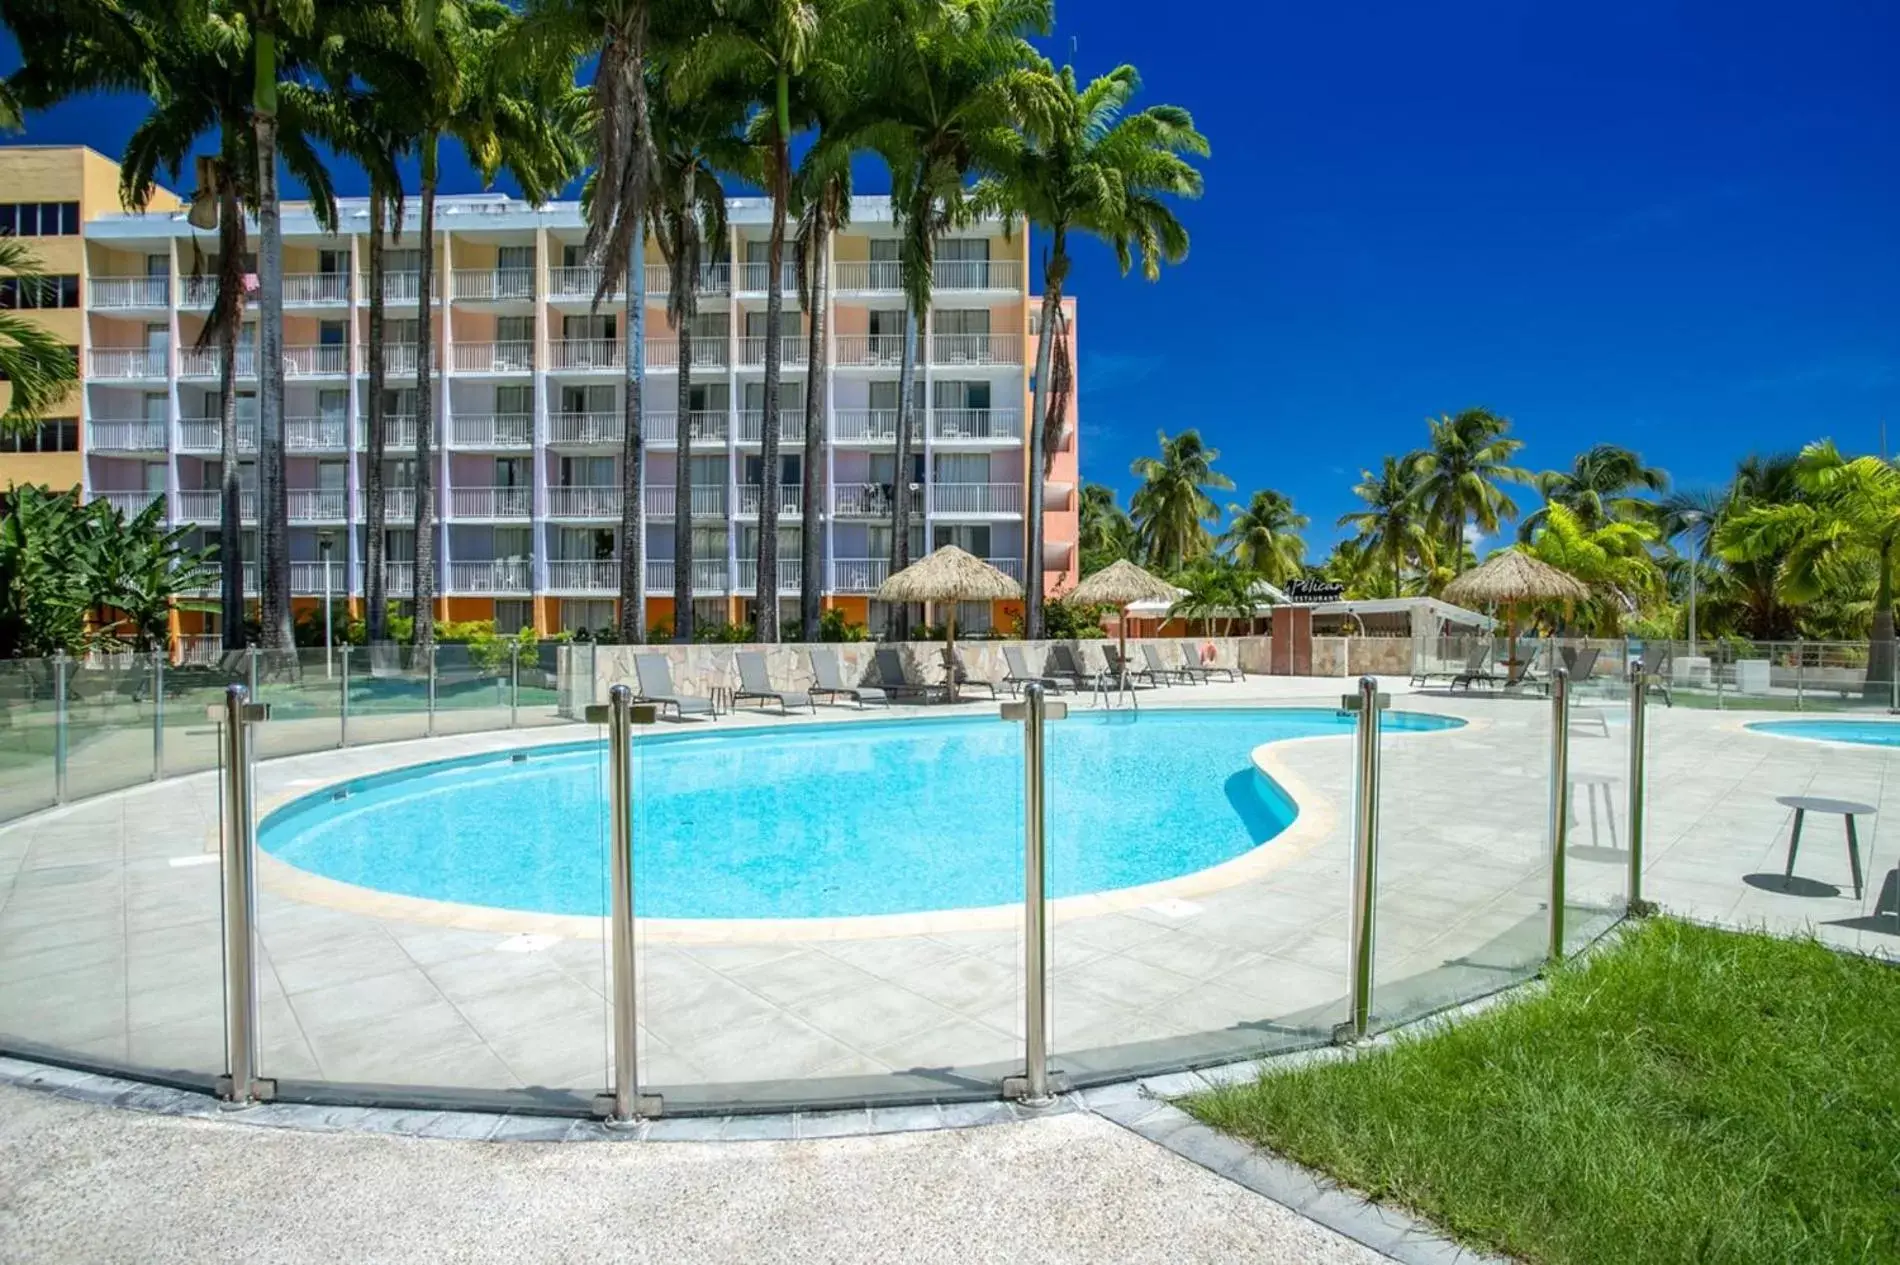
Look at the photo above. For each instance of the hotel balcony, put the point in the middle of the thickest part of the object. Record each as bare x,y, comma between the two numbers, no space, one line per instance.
491,504
586,355
403,287
491,431
589,430
195,292
316,434
317,505
506,575
134,363
870,500
753,278
494,358
201,505
316,289
859,575
307,578
104,435
751,497
792,350
585,502
204,435
399,505
399,432
873,426
578,285
128,503
709,428
790,575
325,360
207,362
592,575
977,500
709,500
977,425
493,285
109,294
791,426
859,351
975,349
399,578
399,360
976,274
867,276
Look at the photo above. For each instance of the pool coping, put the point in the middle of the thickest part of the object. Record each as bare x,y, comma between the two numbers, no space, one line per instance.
1316,817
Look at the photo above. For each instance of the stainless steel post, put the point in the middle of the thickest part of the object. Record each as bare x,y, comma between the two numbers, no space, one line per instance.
158,715
1559,803
623,1104
514,685
61,666
1036,1086
343,700
1365,860
1800,671
1639,787
237,832
431,723
250,670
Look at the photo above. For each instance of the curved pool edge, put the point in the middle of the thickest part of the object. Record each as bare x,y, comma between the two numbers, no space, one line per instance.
1787,730
1314,819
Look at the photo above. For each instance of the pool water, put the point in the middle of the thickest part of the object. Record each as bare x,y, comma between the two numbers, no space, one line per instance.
816,821
1871,733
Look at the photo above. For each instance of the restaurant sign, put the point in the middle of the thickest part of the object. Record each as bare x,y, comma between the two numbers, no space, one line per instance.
1313,592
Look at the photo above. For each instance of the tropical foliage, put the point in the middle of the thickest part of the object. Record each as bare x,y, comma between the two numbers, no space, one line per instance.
36,366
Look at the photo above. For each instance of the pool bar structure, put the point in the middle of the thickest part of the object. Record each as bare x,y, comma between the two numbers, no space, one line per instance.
1565,922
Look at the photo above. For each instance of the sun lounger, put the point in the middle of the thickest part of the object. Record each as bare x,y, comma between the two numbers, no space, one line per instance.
1472,671
891,678
828,680
755,681
1020,675
956,670
1120,669
1581,662
1655,666
1159,668
1065,663
1208,667
656,686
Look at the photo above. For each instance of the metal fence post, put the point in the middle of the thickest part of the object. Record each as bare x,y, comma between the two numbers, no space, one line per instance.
240,1084
431,722
623,1104
61,668
514,685
1367,703
1036,1086
1800,671
250,669
1638,788
158,715
343,700
1559,803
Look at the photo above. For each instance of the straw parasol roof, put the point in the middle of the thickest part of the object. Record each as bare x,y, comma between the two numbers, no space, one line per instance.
1510,577
949,575
1120,583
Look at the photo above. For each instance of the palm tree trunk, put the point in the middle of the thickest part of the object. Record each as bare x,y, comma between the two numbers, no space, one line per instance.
425,585
633,452
687,275
1879,685
817,379
1055,271
899,626
231,317
273,509
375,583
765,601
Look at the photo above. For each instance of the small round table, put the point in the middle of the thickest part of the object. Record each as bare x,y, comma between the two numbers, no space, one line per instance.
1845,808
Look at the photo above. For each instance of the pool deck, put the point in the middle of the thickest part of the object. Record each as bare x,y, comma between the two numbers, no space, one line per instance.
109,924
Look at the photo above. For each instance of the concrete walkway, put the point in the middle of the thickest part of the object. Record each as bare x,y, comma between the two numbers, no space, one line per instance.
83,1183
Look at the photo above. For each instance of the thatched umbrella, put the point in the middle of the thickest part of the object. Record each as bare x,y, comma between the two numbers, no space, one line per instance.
949,575
1510,577
1118,584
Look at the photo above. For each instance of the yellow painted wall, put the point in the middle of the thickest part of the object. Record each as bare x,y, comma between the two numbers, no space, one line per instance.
48,469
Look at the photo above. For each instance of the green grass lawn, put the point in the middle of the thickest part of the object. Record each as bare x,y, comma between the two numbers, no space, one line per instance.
1684,1095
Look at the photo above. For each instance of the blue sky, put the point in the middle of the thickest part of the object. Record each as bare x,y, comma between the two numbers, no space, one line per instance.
1666,225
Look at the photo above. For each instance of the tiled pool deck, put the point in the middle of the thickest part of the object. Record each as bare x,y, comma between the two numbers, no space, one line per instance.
109,912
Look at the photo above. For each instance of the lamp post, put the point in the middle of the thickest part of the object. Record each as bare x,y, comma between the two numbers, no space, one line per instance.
323,553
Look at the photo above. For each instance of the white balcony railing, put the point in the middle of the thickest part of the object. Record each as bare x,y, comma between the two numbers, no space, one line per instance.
207,362
201,292
124,362
751,496
125,436
328,358
493,284
201,505
584,430
1011,567
399,579
753,277
792,349
399,505
791,426
592,575
203,435
873,426
316,289
709,500
870,500
492,430
509,357
660,499
583,283
128,503
503,575
491,502
709,575
405,287
978,424
399,432
867,276
582,354
976,349
976,498
858,575
316,434
399,359
306,578
584,502
790,575
124,292
976,274
317,505
709,427
659,575
859,350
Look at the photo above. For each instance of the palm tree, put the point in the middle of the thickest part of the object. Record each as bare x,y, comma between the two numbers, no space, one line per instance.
36,364
1172,507
1217,587
1356,564
1459,473
1086,167
946,87
1612,559
1264,536
1105,533
1847,524
1393,526
1596,489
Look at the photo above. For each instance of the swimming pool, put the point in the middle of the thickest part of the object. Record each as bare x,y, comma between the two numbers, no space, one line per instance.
1871,733
815,821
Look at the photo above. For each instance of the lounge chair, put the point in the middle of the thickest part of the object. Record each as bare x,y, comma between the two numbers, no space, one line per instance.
891,678
1020,675
656,686
1581,662
1208,667
1655,665
828,680
1066,664
1472,671
1120,669
1522,674
954,669
1159,669
755,681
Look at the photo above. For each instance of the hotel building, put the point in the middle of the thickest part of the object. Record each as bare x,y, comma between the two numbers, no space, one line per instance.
528,394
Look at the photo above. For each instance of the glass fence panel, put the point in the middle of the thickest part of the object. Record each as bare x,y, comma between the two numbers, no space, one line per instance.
474,685
554,683
30,714
1596,870
110,708
1463,849
389,694
191,692
304,688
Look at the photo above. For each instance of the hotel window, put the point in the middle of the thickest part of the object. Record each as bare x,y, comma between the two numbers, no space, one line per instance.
789,469
600,328
884,465
514,401
588,472
961,395
583,544
514,544
887,322
791,396
961,321
39,219
591,399
972,538
884,393
512,614
963,467
332,262
710,327
510,472
964,248
584,613
60,434
48,291
402,259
